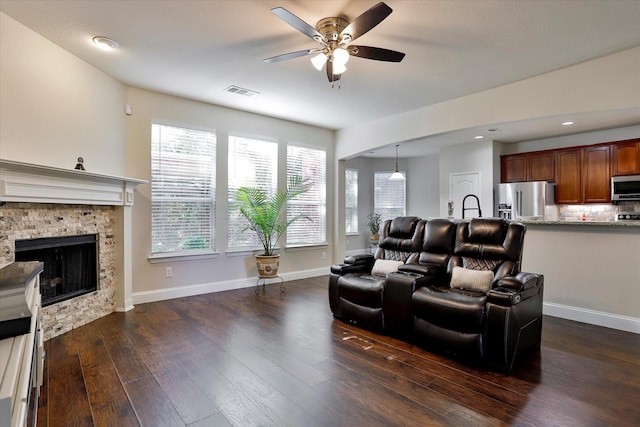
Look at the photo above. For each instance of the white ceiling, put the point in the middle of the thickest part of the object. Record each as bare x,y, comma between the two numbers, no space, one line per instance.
454,48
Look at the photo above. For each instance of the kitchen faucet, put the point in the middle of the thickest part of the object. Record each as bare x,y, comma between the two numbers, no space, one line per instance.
478,205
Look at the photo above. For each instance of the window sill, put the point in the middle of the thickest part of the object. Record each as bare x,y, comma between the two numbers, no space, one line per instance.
243,251
183,256
352,234
295,248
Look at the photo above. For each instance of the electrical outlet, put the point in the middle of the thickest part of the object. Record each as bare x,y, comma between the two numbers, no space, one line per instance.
168,272
324,255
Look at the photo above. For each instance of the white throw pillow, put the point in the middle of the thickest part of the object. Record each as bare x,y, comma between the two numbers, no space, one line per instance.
472,280
383,266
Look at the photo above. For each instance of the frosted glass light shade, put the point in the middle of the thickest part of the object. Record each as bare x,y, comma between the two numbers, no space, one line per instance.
318,61
339,68
396,176
340,56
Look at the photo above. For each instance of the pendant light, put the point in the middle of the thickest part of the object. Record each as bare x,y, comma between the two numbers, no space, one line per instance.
396,176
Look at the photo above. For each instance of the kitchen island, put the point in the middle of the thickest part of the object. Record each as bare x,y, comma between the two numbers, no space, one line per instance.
591,269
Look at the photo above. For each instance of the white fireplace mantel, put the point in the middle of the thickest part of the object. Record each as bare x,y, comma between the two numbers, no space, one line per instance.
25,182
29,183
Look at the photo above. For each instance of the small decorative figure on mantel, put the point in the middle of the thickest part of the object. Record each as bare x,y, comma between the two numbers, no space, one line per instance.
450,208
80,165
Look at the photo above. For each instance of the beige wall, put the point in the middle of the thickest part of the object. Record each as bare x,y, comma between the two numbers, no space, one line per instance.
226,270
55,107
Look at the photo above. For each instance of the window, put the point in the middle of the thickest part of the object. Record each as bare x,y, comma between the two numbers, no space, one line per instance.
252,163
308,163
183,181
351,200
388,196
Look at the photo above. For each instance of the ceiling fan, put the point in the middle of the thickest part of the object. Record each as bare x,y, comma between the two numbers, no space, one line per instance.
334,35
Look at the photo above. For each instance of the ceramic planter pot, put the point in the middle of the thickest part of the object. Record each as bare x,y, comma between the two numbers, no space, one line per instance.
267,265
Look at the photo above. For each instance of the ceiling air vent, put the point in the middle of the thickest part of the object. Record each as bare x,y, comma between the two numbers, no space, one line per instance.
492,130
241,91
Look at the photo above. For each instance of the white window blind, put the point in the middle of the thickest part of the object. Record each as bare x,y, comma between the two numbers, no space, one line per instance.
308,163
388,196
252,163
183,173
351,200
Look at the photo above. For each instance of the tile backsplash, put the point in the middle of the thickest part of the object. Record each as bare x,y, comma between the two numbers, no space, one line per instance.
595,212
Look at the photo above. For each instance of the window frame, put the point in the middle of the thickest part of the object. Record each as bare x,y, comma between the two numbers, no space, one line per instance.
322,201
210,252
255,245
382,211
355,206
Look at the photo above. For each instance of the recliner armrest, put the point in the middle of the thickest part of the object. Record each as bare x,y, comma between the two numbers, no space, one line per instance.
512,290
354,264
423,269
520,281
341,269
361,259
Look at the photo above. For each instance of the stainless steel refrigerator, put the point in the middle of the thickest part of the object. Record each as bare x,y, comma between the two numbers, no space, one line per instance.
527,201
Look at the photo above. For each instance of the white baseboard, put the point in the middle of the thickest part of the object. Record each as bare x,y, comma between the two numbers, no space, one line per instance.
599,318
227,285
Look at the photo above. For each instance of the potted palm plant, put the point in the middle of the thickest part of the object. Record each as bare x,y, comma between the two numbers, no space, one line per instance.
265,217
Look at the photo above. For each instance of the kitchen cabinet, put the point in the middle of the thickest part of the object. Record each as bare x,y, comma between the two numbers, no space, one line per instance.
568,176
596,175
514,168
542,166
535,166
625,158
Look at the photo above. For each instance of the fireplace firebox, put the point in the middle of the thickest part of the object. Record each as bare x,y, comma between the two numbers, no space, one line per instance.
70,265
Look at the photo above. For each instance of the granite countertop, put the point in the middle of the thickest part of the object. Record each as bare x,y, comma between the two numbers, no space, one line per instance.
584,223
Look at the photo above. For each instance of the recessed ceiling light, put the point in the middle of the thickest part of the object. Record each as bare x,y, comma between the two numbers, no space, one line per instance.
105,43
567,123
478,137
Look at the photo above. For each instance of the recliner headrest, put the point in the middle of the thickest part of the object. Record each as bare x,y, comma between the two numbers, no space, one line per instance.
403,227
488,231
490,238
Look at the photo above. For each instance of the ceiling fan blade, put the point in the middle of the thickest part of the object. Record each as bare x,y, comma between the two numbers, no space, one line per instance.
291,55
369,19
297,23
377,53
332,77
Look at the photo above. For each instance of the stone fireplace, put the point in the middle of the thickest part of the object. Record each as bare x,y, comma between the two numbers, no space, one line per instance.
39,202
34,220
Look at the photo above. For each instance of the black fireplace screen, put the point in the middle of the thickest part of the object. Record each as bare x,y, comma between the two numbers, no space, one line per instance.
70,265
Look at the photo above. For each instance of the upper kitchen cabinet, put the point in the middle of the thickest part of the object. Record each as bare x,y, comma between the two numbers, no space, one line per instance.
625,158
534,166
596,174
568,176
542,166
514,168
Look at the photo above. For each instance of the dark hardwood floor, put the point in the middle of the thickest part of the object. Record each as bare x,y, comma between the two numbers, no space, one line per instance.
235,358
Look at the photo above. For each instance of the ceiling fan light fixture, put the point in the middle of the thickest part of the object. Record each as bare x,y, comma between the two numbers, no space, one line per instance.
339,68
318,61
340,56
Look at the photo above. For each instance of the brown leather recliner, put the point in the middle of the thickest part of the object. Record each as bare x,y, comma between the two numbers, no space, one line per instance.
355,294
494,325
460,290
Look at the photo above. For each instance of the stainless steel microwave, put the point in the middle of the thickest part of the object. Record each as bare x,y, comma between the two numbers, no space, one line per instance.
625,188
